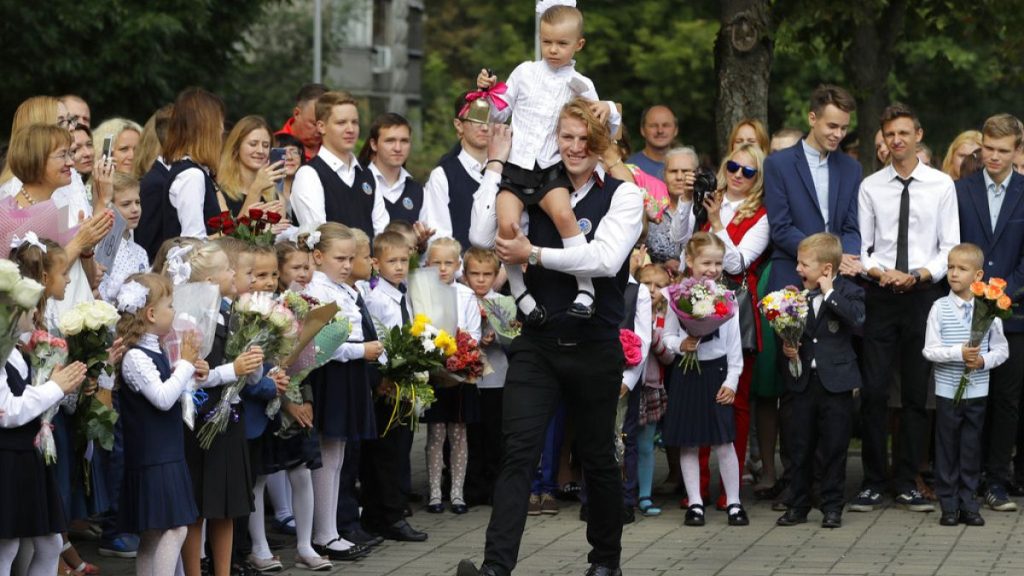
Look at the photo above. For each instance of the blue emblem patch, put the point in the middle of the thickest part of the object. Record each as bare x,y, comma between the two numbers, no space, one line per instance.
585,226
367,189
407,203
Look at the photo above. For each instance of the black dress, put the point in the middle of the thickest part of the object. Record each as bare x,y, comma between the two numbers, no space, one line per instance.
157,490
222,475
30,503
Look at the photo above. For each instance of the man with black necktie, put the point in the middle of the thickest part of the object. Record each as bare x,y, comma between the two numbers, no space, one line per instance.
990,214
908,223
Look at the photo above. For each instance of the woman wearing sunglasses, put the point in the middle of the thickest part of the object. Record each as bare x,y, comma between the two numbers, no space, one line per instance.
737,215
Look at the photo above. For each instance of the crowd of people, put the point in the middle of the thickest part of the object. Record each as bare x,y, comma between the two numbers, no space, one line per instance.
588,237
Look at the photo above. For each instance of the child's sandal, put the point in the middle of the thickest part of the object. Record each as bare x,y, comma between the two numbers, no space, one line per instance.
647,507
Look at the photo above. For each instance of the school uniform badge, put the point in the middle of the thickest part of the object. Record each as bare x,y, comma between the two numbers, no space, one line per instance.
407,203
585,225
367,189
833,326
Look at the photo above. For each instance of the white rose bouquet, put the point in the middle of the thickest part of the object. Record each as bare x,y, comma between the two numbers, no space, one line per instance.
257,319
17,296
89,330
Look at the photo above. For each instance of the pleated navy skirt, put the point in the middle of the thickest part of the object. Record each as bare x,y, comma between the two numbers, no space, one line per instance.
693,417
221,476
157,497
343,401
30,503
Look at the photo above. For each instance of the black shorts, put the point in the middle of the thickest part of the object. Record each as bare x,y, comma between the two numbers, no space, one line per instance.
531,185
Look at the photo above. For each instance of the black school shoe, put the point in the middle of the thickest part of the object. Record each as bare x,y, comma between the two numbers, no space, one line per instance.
949,518
832,519
737,515
792,517
694,515
971,518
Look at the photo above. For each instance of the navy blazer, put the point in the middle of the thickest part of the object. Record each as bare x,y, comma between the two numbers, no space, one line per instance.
828,339
1003,248
793,211
255,398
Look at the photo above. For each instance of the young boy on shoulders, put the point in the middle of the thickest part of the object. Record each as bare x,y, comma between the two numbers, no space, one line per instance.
958,425
822,396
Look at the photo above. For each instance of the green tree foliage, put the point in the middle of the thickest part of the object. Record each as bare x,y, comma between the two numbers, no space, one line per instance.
128,57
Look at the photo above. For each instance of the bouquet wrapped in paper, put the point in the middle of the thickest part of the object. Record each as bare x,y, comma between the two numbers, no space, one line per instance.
434,299
702,306
46,352
196,309
411,353
18,296
257,319
322,330
89,330
500,315
990,302
786,310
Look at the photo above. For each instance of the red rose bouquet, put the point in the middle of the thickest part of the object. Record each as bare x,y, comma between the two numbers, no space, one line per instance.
254,227
466,364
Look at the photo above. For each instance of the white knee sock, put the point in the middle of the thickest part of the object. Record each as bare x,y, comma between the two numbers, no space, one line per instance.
47,553
257,524
8,551
517,286
460,451
689,463
301,482
435,459
159,551
326,484
729,468
583,283
280,495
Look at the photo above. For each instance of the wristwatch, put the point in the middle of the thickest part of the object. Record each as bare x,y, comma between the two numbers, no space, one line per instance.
916,274
534,258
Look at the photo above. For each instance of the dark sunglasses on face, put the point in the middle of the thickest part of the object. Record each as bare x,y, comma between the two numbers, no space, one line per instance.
748,172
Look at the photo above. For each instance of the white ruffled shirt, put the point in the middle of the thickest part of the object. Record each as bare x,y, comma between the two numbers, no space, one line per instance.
17,411
142,375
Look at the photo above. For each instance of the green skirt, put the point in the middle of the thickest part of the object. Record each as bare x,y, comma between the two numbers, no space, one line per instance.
768,382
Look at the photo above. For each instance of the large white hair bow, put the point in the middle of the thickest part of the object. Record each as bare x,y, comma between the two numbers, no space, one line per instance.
132,297
29,238
178,268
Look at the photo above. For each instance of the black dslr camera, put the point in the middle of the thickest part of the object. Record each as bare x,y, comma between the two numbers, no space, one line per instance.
704,184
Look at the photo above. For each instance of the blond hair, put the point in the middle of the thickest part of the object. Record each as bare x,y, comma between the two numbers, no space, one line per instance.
973,252
949,163
1003,125
233,247
700,241
124,182
229,172
203,261
132,326
824,247
333,232
446,243
759,132
598,136
160,260
360,237
113,128
388,240
755,198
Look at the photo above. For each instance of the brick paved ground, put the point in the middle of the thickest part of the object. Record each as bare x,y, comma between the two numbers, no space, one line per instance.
889,542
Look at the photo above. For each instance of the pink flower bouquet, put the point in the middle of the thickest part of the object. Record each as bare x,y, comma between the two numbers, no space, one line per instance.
702,306
631,345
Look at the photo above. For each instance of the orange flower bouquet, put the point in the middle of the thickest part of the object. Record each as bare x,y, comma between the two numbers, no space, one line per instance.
990,302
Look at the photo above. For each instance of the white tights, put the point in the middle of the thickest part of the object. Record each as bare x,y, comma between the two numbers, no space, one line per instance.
326,487
159,551
301,490
46,553
728,467
456,434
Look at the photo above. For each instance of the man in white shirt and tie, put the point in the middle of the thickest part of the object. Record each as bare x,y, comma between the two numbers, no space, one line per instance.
908,224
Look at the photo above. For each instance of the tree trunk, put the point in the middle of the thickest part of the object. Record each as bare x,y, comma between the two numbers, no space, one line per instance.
868,62
743,62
